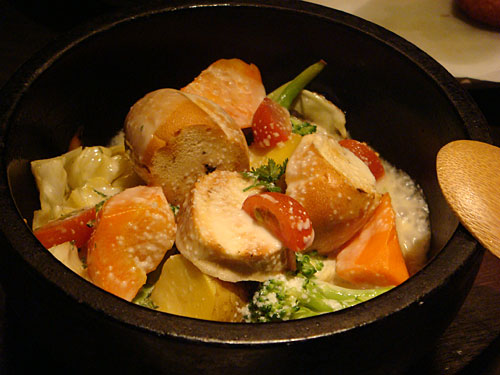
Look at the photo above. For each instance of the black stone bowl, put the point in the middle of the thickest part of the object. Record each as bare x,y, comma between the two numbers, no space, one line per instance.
396,98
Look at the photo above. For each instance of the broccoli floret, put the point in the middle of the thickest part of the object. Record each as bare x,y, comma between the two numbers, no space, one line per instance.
273,301
302,127
308,264
299,294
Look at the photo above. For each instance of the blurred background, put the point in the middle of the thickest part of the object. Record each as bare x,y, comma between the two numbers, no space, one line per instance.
468,49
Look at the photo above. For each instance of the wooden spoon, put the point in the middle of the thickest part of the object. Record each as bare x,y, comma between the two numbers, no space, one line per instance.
469,175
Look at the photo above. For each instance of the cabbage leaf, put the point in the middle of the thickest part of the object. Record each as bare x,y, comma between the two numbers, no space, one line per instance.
79,179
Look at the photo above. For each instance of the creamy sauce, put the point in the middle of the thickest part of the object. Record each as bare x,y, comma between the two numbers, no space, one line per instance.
412,221
412,215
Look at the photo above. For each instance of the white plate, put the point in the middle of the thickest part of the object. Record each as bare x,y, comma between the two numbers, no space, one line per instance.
464,48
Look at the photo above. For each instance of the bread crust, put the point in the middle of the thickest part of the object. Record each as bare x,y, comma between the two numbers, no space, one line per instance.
175,137
221,239
335,187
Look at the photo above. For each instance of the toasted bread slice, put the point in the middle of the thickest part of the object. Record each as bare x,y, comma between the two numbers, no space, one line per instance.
221,239
175,137
335,187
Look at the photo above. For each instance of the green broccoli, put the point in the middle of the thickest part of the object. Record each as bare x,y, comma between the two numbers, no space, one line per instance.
302,127
300,294
309,263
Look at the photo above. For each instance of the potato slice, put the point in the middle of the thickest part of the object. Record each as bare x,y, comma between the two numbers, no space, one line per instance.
184,290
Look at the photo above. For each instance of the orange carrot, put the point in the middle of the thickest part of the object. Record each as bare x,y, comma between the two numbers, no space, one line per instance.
373,257
77,227
133,231
234,85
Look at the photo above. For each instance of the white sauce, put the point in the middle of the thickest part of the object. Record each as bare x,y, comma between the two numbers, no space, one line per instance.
412,215
412,221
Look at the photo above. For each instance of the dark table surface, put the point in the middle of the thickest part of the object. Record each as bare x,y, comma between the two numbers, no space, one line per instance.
470,345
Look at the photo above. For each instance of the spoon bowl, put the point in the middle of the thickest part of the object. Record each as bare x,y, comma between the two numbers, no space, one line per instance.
469,176
90,77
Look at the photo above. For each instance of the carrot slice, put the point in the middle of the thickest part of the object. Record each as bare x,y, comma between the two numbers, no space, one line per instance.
133,231
77,227
234,85
373,257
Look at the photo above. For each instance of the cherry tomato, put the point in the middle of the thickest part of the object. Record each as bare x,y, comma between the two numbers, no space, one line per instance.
366,154
270,124
77,227
285,217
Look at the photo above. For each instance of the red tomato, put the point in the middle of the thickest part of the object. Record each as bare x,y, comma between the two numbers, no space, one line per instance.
76,227
285,217
270,124
366,154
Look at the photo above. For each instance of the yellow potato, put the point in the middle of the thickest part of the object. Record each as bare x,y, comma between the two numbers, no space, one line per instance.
184,290
279,153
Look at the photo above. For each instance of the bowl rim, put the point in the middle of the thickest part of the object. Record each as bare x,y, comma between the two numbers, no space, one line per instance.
94,299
